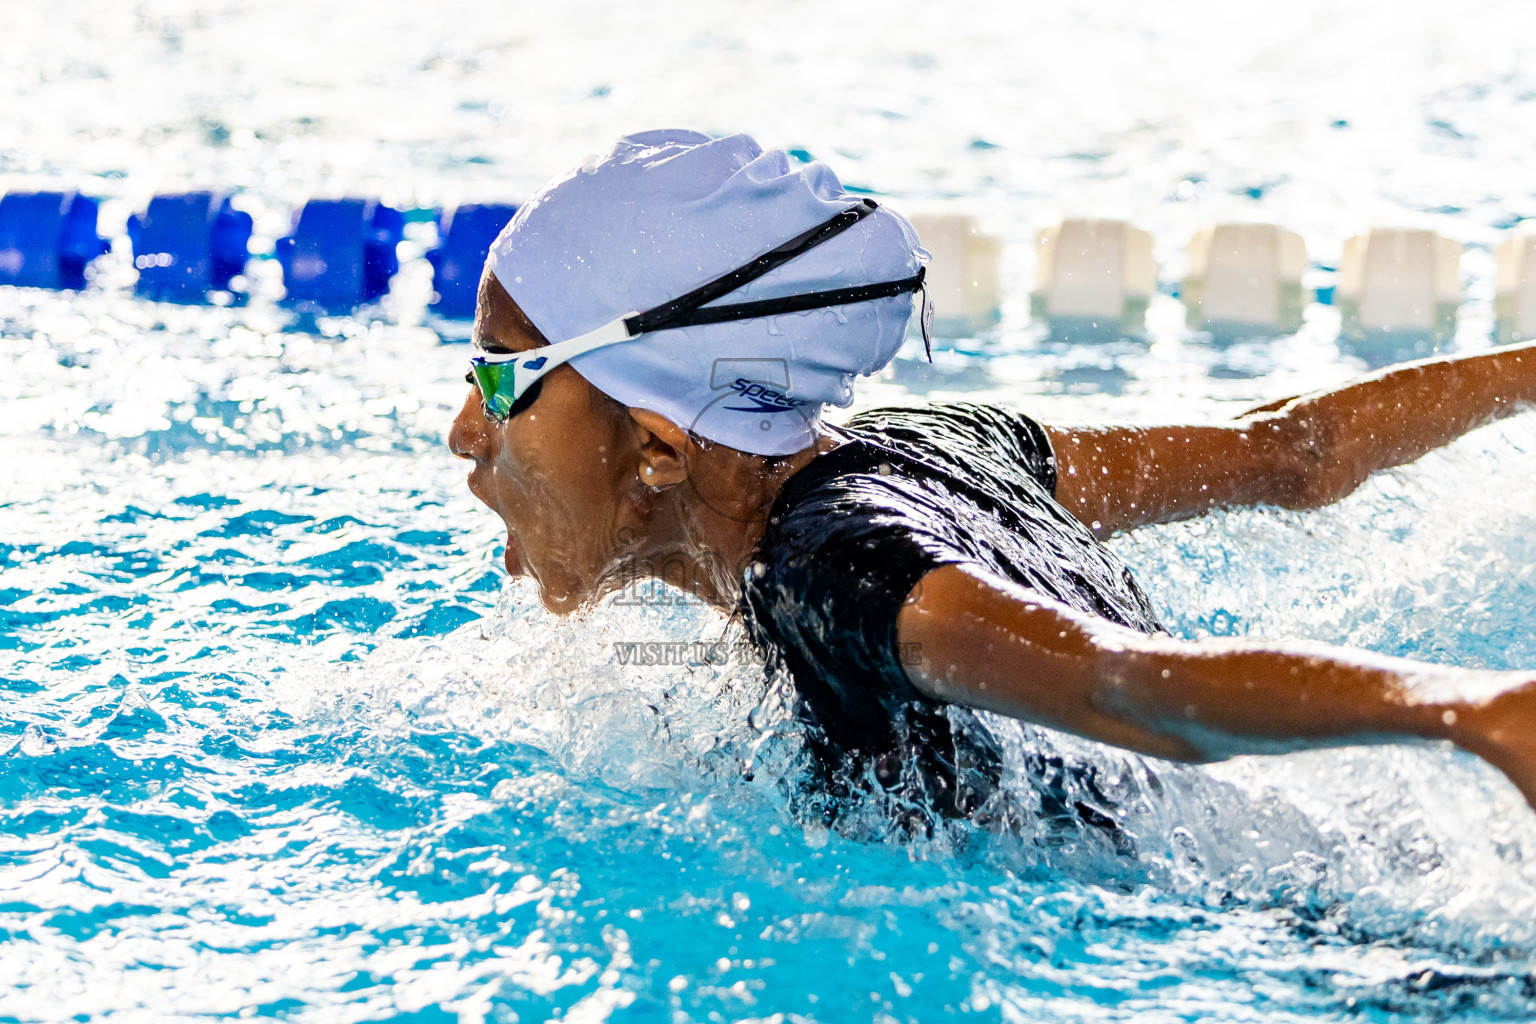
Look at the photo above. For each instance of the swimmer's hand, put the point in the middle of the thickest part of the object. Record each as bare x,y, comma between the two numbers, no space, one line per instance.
984,642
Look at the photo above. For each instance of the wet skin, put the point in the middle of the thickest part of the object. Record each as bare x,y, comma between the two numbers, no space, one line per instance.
987,643
594,495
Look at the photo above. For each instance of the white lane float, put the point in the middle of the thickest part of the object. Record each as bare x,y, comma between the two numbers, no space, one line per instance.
1093,279
964,282
1245,279
1514,300
1402,283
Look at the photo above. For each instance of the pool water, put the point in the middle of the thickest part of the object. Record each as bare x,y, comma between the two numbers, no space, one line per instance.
279,740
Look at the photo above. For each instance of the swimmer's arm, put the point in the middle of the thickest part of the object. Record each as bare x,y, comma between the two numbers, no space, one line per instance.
978,640
1296,453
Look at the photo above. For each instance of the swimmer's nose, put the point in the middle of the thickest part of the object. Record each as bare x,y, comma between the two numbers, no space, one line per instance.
469,438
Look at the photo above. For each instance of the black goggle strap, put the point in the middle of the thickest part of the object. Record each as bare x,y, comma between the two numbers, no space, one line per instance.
672,314
925,317
798,303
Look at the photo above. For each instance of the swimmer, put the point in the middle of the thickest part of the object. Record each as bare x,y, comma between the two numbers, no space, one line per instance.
657,335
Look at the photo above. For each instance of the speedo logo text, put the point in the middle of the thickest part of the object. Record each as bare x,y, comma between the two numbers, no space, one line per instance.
764,398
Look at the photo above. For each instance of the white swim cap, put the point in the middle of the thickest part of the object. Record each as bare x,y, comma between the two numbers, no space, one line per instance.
668,211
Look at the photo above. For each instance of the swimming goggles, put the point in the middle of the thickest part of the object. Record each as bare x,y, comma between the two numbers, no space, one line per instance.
509,381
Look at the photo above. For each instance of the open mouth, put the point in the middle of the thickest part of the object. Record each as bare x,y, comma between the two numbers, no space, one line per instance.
474,479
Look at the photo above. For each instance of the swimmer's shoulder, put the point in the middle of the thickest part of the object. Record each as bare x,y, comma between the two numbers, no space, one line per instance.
966,437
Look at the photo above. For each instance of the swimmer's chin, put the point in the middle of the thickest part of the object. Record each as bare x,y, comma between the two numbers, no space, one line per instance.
561,603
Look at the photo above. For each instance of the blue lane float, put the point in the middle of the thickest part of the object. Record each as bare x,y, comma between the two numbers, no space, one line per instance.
188,245
341,254
457,262
47,239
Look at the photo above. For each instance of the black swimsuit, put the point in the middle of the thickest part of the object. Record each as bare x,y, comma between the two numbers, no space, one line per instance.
853,532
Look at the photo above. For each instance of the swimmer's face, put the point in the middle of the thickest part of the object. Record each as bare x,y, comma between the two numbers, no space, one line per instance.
563,474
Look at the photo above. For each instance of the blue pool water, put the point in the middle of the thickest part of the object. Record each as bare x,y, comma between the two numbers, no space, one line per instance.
280,741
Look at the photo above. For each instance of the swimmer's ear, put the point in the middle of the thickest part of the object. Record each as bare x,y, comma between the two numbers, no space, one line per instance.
663,446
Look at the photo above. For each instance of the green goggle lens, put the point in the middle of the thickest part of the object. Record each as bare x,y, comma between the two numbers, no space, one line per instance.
495,383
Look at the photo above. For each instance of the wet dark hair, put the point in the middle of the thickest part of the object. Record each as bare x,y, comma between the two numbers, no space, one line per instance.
489,286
